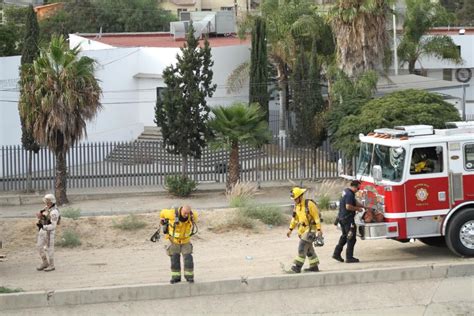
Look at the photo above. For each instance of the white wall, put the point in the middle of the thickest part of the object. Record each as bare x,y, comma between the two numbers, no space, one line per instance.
10,129
128,102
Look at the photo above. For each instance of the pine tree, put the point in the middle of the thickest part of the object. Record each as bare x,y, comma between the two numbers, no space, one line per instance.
29,53
182,111
301,103
317,109
258,67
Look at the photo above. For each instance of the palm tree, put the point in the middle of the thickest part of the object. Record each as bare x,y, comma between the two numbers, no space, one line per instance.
421,16
359,27
238,124
60,95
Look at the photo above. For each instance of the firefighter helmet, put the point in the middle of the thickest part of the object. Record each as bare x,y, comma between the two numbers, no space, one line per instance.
296,192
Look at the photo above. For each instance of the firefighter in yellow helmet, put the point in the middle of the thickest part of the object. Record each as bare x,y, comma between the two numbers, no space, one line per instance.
306,218
179,226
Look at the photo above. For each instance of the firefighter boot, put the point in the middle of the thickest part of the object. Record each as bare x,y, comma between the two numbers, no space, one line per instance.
44,265
312,269
296,269
51,266
175,280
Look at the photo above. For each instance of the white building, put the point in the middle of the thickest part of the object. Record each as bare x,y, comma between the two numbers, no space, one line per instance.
448,71
129,67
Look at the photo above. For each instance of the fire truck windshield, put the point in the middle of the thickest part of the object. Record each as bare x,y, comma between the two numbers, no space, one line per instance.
391,159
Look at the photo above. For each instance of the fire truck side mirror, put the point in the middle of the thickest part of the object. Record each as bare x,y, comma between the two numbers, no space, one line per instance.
377,173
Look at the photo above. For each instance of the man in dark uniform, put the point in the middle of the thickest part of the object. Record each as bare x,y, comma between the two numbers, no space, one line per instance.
348,206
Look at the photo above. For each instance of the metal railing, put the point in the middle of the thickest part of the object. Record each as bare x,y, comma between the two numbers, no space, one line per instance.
140,163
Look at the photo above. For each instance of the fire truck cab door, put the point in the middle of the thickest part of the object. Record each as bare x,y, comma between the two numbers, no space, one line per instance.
427,190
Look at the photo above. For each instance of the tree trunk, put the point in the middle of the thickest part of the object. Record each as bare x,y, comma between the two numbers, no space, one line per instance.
282,85
184,166
411,66
29,178
234,172
61,179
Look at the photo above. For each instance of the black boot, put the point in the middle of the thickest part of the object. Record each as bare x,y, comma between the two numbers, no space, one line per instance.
338,257
352,260
175,280
296,269
312,269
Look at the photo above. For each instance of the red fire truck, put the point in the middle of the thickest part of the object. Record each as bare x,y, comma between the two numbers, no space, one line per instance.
422,180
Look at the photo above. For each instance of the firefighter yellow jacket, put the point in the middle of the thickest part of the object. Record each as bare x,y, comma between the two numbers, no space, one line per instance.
178,232
300,219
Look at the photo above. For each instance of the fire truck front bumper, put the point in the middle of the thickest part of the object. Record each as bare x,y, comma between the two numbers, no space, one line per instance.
377,230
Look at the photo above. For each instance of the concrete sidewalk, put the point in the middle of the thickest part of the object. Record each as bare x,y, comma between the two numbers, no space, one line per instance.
70,297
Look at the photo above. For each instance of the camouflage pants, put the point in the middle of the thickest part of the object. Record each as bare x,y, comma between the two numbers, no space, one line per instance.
175,251
45,244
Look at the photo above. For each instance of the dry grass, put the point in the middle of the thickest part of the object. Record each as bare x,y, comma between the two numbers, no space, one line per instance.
240,192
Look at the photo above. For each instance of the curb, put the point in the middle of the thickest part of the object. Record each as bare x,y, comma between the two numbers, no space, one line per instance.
97,295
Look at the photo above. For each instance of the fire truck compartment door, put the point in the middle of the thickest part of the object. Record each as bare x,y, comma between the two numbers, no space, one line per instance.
456,171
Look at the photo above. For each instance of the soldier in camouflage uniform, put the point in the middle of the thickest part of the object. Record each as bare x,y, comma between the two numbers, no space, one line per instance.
48,219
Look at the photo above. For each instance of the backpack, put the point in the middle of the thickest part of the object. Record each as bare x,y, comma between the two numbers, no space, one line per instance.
306,206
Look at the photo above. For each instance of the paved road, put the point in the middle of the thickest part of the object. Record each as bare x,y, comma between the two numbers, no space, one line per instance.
451,296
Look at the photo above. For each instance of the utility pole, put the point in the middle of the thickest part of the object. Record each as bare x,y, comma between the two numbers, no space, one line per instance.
395,55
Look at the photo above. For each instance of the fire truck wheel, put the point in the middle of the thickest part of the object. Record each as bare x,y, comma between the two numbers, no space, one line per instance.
434,241
460,233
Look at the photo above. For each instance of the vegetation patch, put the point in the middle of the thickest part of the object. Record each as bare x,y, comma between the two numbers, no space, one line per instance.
69,239
270,215
70,212
131,222
180,185
6,290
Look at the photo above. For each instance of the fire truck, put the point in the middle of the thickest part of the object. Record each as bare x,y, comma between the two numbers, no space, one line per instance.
422,180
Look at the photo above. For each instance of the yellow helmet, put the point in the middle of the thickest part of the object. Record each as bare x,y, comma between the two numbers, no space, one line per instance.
296,192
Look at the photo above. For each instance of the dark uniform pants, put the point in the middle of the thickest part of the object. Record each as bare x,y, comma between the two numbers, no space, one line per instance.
306,249
175,251
348,236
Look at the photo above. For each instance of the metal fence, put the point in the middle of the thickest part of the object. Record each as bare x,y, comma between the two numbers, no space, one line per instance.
111,164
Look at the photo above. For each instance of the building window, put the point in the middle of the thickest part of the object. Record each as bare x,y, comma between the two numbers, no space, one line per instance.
469,156
427,160
227,8
181,10
206,9
448,74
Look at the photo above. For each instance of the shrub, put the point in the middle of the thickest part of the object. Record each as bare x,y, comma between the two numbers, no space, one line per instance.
240,201
131,222
69,239
70,212
243,190
270,215
180,185
324,202
6,290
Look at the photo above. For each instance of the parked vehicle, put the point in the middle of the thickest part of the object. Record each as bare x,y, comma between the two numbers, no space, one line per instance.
422,180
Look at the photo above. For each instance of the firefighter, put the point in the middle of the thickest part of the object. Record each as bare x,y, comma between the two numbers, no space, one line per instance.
179,225
48,219
348,206
306,217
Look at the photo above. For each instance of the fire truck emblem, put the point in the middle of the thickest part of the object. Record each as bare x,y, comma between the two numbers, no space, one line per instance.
421,194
